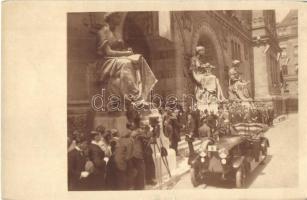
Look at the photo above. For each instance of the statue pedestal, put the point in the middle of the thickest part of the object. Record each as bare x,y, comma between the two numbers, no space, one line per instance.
114,120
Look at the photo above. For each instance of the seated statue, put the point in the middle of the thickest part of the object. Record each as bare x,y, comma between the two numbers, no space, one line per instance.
208,92
238,89
119,70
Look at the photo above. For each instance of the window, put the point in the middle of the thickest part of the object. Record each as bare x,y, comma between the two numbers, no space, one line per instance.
245,52
239,53
232,50
273,69
235,50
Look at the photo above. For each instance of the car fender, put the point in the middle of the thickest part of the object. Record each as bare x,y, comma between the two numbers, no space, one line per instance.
237,162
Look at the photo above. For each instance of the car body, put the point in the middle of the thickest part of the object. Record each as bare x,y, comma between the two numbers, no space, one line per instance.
232,156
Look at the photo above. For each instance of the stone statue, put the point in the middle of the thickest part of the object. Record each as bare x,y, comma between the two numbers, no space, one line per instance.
118,69
238,90
208,92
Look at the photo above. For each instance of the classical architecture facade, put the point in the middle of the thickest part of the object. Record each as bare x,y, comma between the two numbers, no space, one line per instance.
167,40
266,66
287,31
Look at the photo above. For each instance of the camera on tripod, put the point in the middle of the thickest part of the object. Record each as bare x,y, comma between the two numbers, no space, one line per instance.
154,123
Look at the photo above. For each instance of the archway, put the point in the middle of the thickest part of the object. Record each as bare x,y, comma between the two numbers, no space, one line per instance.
206,36
134,34
211,55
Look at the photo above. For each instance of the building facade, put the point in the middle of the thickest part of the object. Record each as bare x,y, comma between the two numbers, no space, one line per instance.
167,40
287,31
266,51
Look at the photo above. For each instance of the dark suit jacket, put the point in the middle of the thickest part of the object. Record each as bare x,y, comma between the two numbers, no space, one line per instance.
190,126
96,155
123,152
176,129
76,164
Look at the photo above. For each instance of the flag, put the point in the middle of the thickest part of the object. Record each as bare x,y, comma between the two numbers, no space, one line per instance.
246,128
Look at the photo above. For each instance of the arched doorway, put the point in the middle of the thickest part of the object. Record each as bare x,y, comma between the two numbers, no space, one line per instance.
211,55
134,34
206,36
140,32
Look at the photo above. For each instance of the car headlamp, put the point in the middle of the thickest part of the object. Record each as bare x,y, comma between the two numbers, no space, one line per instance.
223,153
223,161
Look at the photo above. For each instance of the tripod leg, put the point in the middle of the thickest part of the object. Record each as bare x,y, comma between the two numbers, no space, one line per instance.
160,167
165,162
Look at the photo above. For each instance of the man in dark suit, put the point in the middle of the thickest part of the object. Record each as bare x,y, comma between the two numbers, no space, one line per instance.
122,159
138,137
97,155
77,175
176,131
212,122
196,118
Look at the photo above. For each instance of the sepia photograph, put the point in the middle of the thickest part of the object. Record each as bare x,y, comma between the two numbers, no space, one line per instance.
183,99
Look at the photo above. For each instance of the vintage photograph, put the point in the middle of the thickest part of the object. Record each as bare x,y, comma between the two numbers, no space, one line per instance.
167,100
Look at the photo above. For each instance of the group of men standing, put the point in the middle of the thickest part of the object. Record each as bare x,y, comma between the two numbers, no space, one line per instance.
111,161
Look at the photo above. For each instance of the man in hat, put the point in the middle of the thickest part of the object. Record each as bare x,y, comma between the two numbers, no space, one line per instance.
97,155
77,174
110,178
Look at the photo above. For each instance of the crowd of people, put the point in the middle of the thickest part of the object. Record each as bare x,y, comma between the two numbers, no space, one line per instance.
109,160
197,124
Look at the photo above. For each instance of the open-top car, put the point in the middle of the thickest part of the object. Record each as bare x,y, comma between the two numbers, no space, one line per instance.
232,156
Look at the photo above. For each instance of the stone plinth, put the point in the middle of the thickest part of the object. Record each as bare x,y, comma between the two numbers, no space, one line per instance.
113,120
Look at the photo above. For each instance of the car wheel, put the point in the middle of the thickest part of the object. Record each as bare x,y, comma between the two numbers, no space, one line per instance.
194,179
240,178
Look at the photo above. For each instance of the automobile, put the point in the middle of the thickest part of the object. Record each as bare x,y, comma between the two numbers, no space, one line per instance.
232,156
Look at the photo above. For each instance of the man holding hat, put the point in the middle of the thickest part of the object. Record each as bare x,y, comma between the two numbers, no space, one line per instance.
77,174
97,155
